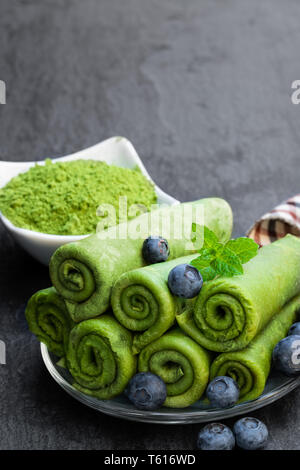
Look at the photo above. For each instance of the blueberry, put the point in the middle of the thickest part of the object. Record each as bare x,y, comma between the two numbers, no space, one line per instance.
155,250
295,329
215,436
286,355
146,391
185,281
250,433
222,392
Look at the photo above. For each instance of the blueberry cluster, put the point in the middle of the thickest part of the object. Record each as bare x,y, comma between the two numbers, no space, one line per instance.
248,433
184,280
147,391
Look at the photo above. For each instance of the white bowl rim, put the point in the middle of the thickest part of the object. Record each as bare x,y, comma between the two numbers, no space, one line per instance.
63,239
39,235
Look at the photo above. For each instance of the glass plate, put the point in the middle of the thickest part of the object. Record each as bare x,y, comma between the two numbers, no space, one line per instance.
277,386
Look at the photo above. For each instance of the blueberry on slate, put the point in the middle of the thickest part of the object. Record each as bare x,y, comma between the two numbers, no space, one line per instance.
286,355
185,281
222,392
250,433
295,329
215,436
155,250
146,391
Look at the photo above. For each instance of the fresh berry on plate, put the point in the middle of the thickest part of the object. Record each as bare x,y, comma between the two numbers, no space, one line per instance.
185,281
146,391
155,250
215,436
222,391
250,433
286,355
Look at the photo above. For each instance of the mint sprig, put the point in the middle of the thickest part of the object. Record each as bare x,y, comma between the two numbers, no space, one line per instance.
220,259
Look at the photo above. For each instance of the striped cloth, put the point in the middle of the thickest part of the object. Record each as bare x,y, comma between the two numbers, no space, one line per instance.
284,219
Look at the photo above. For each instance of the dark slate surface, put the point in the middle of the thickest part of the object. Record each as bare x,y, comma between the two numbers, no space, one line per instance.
202,88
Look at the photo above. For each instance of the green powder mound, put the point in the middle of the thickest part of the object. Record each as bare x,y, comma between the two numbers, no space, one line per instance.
62,198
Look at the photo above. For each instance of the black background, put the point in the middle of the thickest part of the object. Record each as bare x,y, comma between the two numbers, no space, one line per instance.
203,90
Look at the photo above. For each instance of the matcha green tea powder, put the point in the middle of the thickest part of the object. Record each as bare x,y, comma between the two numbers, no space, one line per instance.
62,198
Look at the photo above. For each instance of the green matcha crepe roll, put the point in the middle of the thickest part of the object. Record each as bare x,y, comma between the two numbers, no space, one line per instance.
229,312
142,302
48,319
181,363
100,357
250,367
84,272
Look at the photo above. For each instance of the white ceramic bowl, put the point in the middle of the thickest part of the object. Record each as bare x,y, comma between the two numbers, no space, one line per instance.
116,150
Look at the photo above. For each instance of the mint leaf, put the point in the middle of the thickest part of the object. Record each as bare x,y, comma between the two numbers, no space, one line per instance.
203,264
210,239
245,248
208,274
203,237
205,260
227,263
218,259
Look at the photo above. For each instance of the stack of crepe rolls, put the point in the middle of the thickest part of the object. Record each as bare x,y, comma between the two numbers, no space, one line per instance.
110,315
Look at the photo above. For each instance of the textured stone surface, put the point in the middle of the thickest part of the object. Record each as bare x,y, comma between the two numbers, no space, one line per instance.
202,88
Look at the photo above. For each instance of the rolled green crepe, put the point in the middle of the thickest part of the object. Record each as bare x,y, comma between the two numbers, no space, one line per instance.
100,358
84,272
49,320
251,366
181,363
142,302
229,312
